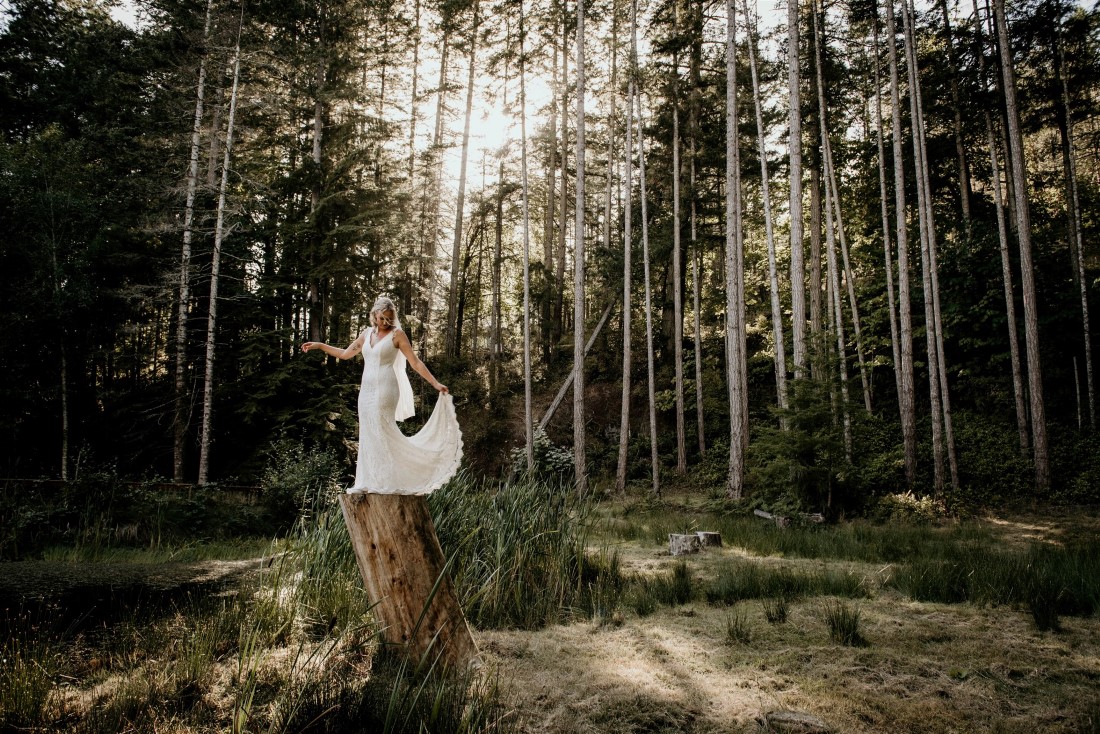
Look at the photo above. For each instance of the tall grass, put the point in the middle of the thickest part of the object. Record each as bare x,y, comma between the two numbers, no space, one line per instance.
1048,580
741,579
851,541
522,555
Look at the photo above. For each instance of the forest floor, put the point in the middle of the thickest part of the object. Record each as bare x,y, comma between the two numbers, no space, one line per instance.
925,667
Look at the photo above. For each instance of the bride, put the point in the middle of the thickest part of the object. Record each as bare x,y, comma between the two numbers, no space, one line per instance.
390,462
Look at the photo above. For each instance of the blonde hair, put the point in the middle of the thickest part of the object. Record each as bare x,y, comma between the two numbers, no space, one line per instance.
382,306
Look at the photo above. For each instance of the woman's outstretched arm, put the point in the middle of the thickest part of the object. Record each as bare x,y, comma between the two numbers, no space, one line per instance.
353,349
401,341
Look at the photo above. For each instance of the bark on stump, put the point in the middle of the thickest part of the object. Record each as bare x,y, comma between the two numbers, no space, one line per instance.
680,545
709,539
402,566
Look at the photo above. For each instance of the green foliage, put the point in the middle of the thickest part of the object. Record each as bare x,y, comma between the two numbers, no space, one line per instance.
803,466
100,514
552,462
295,477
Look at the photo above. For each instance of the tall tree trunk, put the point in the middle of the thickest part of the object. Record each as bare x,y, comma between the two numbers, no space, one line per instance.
925,222
887,252
832,193
923,170
528,416
817,322
413,100
559,293
549,218
830,240
496,346
798,278
736,369
578,274
956,108
429,229
628,242
696,250
773,276
316,305
654,458
907,395
215,267
1073,212
677,270
1027,272
1006,263
182,413
451,346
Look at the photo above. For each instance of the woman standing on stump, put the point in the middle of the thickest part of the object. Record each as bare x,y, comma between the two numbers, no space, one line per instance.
390,462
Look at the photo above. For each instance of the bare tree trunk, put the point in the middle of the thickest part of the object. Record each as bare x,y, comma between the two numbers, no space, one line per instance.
925,223
1023,218
182,413
559,294
888,256
735,285
817,341
654,458
413,100
923,173
696,250
451,345
1073,207
773,276
956,105
549,219
907,395
1006,263
832,193
798,278
628,242
496,346
677,270
528,428
578,274
316,306
432,190
219,232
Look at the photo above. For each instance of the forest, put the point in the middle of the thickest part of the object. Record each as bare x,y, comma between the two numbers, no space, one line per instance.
677,261
882,247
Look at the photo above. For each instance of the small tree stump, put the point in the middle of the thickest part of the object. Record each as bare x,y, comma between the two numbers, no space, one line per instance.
681,545
709,539
402,567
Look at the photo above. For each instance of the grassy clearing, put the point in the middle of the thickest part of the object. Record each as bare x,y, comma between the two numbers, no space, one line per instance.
294,646
586,624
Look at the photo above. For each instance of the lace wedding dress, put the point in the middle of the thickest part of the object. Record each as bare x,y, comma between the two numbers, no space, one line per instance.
390,462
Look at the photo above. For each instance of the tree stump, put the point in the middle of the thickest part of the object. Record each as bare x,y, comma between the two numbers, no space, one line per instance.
709,539
680,545
402,566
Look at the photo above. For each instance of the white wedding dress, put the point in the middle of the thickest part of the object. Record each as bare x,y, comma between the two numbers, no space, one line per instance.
390,462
